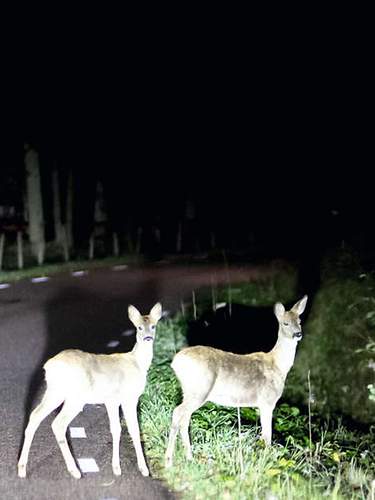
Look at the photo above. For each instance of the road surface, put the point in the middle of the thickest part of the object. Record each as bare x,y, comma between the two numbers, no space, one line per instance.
86,311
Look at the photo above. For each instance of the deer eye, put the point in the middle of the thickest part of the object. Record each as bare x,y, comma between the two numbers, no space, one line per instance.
152,327
140,327
285,323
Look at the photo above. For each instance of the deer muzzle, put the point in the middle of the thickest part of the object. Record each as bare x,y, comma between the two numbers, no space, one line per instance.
297,335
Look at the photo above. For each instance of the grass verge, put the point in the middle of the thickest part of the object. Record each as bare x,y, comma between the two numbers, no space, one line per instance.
67,267
311,458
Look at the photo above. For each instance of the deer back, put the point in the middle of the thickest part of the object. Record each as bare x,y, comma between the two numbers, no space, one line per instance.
226,378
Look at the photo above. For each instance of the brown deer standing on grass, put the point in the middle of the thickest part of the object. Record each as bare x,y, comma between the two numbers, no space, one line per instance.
257,379
76,378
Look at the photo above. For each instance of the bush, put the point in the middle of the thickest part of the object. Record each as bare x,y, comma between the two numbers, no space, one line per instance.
336,346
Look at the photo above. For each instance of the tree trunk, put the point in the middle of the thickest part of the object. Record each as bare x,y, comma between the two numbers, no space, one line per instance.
19,250
91,246
139,238
69,211
179,238
64,244
34,204
116,246
57,207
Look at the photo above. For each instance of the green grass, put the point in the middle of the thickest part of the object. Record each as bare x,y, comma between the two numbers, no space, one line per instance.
276,284
338,463
339,345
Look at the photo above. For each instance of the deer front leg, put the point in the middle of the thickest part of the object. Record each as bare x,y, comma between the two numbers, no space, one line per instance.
59,427
130,413
266,423
115,426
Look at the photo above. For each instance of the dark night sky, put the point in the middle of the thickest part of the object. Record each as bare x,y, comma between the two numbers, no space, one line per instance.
272,135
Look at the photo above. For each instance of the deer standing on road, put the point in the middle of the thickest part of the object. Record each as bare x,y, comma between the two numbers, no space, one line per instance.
256,379
76,378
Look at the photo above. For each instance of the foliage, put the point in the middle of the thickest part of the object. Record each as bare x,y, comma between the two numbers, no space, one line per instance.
370,350
338,348
337,463
278,284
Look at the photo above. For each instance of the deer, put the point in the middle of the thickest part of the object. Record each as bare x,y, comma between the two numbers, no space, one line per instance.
250,380
75,378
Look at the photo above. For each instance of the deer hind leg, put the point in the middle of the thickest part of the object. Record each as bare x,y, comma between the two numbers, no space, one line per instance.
115,426
49,403
266,423
59,427
129,409
180,422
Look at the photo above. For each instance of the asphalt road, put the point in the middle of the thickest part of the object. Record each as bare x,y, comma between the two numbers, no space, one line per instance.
37,320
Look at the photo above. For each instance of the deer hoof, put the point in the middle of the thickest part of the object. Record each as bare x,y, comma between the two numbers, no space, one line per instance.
144,471
22,471
75,473
117,470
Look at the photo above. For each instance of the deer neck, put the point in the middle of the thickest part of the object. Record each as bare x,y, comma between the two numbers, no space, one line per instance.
284,353
143,353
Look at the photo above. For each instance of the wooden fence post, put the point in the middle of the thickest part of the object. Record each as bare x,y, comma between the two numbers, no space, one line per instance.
19,249
116,249
2,243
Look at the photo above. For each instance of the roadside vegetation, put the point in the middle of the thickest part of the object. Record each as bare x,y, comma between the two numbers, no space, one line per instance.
67,267
54,265
323,442
339,345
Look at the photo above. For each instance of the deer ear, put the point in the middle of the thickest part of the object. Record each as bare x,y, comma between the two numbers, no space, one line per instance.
299,306
134,315
279,310
156,312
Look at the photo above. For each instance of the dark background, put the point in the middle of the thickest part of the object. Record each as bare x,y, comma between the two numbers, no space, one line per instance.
268,135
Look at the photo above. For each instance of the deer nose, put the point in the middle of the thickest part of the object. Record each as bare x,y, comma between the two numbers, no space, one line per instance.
297,335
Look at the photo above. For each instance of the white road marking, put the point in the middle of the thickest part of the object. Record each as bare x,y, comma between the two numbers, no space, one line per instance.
79,273
121,267
77,432
113,343
127,333
40,279
88,465
4,285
